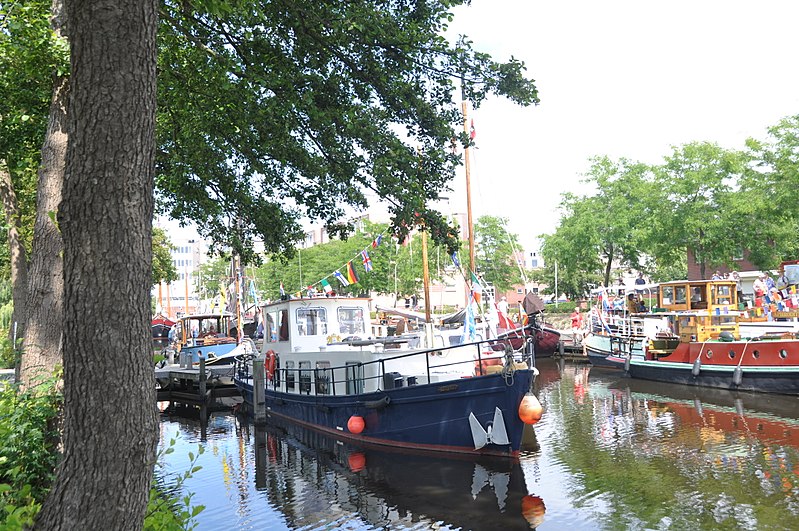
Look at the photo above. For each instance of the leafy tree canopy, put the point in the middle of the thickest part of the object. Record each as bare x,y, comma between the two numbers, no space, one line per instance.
273,111
497,253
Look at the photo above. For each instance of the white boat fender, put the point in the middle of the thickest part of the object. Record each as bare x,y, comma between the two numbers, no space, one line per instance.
697,367
495,434
627,363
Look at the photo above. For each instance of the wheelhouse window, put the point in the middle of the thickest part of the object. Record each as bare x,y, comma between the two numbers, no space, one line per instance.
284,325
351,321
668,295
312,321
722,294
270,327
679,295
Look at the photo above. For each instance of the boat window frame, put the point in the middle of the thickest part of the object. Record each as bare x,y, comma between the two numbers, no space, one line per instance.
311,319
291,377
323,376
354,377
343,327
305,370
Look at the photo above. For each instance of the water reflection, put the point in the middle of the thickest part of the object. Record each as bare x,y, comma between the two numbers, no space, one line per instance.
387,489
609,453
647,454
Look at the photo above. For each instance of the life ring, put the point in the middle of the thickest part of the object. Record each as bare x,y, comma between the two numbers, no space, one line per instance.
270,363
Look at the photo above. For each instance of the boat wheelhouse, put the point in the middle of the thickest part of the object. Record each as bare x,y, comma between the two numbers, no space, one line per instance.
211,335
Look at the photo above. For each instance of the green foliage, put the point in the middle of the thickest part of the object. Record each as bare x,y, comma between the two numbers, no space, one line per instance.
30,54
28,450
168,508
495,253
273,111
29,438
396,268
163,266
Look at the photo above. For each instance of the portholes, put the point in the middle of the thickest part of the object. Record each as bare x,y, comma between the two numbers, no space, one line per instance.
783,353
732,354
709,354
756,354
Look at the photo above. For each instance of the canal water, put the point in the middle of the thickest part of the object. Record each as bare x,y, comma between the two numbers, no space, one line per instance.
609,453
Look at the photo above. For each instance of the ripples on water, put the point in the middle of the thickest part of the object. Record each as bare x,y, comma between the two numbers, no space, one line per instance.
609,453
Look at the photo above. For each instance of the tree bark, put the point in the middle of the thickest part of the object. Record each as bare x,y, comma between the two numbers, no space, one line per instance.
18,255
105,217
45,280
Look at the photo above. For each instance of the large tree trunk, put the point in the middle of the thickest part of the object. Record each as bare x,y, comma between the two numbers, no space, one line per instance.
105,217
19,258
45,289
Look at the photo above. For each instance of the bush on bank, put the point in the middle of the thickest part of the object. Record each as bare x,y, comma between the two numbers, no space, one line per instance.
29,438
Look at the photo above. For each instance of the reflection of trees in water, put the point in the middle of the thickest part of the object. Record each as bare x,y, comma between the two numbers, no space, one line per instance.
306,475
639,459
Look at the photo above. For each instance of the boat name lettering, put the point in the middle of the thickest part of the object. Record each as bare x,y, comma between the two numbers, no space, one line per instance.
447,388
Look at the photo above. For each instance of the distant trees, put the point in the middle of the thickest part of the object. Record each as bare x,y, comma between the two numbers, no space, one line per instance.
717,202
496,253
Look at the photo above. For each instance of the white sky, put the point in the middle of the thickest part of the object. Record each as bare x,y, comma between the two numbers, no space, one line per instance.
624,78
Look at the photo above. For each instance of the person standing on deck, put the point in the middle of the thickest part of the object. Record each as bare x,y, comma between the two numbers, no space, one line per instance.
502,305
577,326
738,287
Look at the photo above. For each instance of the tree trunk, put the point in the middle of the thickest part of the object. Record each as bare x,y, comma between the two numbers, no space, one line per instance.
45,290
18,255
105,217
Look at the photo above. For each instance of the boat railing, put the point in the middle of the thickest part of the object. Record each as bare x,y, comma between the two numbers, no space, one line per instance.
356,376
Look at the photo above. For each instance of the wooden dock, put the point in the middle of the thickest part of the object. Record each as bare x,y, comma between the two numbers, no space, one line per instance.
569,349
195,385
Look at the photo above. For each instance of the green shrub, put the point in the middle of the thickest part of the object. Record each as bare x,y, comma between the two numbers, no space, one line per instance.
28,450
29,439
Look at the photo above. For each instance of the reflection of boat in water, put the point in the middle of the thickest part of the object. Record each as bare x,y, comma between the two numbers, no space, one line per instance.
389,489
381,391
771,421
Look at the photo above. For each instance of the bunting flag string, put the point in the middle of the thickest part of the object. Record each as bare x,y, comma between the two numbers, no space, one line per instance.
346,278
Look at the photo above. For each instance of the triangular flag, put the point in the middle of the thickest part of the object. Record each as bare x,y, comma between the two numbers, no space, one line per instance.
326,286
352,276
340,278
472,132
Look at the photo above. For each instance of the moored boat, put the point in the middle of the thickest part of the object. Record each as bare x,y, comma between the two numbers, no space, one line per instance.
705,347
324,370
211,335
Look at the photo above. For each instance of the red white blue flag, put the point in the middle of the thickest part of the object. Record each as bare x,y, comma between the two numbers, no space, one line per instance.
367,262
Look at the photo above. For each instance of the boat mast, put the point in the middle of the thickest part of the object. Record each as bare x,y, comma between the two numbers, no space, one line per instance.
469,222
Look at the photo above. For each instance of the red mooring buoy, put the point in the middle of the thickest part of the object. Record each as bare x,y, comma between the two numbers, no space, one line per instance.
356,424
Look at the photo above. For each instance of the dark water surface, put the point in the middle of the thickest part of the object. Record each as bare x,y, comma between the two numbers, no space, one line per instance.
609,453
